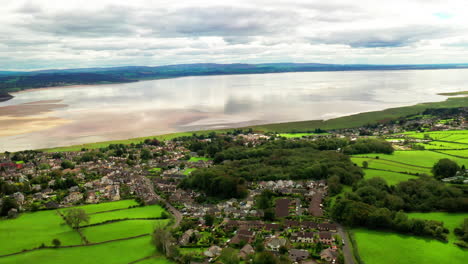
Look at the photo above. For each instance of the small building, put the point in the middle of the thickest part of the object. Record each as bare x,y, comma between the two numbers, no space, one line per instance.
296,255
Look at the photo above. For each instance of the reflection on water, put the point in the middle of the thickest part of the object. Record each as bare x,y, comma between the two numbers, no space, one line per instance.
106,112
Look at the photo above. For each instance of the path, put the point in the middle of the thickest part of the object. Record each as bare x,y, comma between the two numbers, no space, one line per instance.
177,215
347,252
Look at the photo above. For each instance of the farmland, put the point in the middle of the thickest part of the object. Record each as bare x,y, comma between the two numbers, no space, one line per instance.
30,230
299,135
392,178
378,247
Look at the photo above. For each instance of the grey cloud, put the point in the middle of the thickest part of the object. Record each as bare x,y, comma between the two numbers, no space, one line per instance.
390,37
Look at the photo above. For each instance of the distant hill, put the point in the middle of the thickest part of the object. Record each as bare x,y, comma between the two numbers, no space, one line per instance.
15,81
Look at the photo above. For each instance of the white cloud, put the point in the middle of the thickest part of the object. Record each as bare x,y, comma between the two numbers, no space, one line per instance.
62,34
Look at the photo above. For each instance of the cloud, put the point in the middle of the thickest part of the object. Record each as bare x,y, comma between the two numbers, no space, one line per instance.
75,33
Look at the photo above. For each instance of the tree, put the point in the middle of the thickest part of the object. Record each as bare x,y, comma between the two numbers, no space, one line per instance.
145,154
365,164
75,217
334,185
265,258
163,240
66,164
7,204
56,242
229,256
445,168
209,219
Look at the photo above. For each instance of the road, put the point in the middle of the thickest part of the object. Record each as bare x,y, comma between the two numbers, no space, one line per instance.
177,215
347,252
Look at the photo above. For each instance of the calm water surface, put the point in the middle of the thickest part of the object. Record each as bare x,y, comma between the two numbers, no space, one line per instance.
119,111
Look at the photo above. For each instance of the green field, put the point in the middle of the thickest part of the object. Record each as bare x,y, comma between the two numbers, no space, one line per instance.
423,158
378,247
30,230
102,207
110,253
299,135
388,165
451,220
461,153
188,171
392,178
361,119
195,159
442,145
460,136
137,212
122,229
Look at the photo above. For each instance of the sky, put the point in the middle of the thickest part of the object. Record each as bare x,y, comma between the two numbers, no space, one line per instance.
57,34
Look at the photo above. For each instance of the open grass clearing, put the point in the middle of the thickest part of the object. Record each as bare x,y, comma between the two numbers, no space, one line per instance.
442,145
30,230
137,212
195,159
299,135
102,207
117,252
451,220
122,229
461,153
392,178
378,247
423,158
380,164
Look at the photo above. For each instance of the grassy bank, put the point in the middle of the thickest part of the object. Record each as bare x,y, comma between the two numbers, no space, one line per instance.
351,121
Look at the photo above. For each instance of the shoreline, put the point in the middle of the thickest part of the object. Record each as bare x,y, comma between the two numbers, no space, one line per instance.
348,121
224,74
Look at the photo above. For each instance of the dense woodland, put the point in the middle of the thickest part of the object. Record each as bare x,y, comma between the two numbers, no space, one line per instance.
374,204
273,160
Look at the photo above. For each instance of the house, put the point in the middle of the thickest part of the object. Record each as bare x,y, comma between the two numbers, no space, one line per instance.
246,251
329,255
282,207
275,243
271,227
326,237
291,223
185,238
327,227
309,225
303,237
213,251
315,206
242,236
296,255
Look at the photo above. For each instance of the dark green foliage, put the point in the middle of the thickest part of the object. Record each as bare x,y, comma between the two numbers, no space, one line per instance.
276,160
374,204
66,164
56,242
363,146
209,219
445,168
7,204
75,217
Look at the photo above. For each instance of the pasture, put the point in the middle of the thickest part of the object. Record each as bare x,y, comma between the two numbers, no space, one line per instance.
379,247
392,178
389,165
30,230
451,220
299,135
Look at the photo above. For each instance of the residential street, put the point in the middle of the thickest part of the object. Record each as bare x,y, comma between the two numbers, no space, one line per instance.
347,252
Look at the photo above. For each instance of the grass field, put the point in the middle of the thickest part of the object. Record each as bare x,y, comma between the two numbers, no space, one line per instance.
121,229
421,158
188,171
30,230
195,159
137,212
362,118
388,165
101,207
451,220
443,145
377,247
461,153
392,178
110,253
460,136
299,135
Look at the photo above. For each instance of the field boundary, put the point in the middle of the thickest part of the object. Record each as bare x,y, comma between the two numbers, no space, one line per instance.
123,219
398,162
356,255
452,155
73,246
